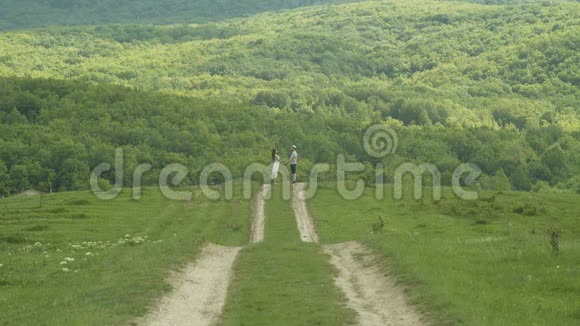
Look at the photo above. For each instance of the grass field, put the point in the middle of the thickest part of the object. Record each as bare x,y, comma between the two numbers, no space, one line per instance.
82,261
488,262
284,281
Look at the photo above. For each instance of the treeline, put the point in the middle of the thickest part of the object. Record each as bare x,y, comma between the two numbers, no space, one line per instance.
53,133
455,64
33,13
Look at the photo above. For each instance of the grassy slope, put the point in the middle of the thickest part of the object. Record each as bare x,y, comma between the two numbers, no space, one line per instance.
116,282
284,281
475,263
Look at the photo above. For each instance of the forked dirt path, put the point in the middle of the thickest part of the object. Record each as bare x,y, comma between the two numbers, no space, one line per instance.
200,290
375,297
258,220
303,219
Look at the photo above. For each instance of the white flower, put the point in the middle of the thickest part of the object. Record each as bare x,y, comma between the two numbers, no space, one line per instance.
63,262
66,270
88,254
127,235
69,259
1,265
38,244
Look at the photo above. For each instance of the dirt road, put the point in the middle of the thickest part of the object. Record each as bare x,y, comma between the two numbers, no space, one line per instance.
200,290
375,297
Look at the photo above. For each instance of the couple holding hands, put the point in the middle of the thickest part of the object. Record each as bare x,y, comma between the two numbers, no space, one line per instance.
293,161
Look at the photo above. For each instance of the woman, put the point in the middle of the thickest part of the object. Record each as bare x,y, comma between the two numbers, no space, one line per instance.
275,165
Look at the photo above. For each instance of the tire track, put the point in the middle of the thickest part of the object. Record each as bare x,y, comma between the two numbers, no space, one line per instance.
375,297
303,219
258,218
200,290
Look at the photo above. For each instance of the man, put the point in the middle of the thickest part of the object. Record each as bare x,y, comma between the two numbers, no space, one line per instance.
293,162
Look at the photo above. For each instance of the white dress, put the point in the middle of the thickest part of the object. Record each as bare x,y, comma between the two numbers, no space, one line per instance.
275,167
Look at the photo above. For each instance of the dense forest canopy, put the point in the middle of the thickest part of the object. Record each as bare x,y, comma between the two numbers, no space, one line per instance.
52,133
422,62
484,82
37,13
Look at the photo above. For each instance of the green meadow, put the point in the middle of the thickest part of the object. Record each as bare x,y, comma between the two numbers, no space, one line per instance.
78,260
484,262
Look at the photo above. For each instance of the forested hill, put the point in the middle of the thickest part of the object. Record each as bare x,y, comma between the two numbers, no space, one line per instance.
52,133
456,64
492,84
36,13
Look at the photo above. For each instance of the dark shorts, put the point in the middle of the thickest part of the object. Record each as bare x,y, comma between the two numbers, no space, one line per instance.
293,168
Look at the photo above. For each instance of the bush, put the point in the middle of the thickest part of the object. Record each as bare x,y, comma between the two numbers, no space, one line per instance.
541,186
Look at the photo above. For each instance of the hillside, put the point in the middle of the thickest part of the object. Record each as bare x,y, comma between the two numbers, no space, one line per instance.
54,132
395,106
33,13
495,85
456,64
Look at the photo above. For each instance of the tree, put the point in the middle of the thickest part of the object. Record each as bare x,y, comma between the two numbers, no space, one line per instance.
4,179
520,179
541,186
502,182
15,117
73,175
555,160
272,99
19,178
